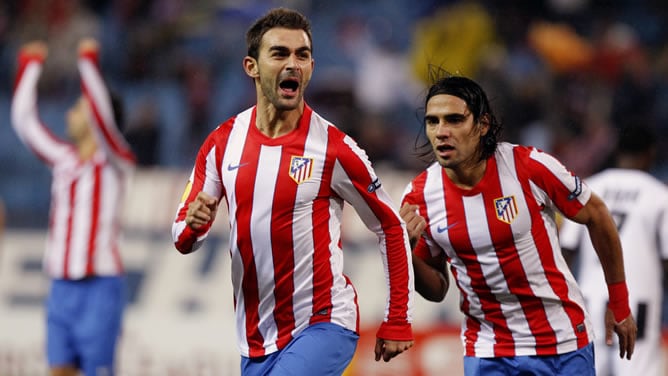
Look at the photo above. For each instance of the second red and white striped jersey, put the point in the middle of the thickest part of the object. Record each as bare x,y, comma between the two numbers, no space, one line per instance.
85,194
285,198
500,239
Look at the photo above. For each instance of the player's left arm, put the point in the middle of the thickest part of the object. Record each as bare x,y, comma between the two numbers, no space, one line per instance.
605,239
578,203
355,181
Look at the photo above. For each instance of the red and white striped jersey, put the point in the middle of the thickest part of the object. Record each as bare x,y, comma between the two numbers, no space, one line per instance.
285,198
85,194
500,239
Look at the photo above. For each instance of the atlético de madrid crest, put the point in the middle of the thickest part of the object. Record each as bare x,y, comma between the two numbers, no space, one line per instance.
301,168
506,209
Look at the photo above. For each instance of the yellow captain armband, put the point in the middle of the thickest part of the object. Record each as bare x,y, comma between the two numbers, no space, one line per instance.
186,192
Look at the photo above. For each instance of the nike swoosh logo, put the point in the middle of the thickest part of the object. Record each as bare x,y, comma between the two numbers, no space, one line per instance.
444,229
231,167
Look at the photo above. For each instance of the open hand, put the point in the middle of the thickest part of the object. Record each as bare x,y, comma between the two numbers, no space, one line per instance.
626,330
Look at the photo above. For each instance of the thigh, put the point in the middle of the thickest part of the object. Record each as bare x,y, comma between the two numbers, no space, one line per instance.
474,366
321,349
61,315
100,325
258,366
509,366
579,362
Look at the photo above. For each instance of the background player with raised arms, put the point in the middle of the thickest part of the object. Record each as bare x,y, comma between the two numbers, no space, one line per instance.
90,173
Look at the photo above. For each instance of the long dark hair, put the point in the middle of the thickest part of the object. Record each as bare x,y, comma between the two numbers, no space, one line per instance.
476,101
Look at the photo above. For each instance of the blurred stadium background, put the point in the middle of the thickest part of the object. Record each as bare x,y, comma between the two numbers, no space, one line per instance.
564,75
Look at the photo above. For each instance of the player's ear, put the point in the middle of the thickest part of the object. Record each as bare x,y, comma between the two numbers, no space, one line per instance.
484,125
250,67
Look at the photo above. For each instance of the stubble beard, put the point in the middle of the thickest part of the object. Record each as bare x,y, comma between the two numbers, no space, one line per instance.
270,92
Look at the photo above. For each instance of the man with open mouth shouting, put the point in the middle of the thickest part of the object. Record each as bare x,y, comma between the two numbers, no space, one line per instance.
285,173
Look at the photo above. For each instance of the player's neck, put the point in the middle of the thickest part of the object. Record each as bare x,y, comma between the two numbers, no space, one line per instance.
467,176
275,123
639,162
86,148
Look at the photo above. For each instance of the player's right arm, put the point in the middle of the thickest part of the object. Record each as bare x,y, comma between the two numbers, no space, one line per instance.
24,117
199,202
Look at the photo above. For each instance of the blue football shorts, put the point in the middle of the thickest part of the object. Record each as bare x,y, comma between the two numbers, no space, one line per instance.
579,362
320,349
84,322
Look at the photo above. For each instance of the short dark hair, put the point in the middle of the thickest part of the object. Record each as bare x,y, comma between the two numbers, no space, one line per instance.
278,17
476,101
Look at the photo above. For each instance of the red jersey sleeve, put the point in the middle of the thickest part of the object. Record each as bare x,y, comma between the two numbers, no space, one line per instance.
359,185
204,177
566,190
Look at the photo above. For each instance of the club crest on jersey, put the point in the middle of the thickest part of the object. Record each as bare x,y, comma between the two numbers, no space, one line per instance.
506,209
301,168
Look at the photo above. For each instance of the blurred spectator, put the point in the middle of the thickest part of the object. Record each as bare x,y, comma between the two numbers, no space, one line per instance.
143,133
635,89
453,38
196,79
62,23
560,46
